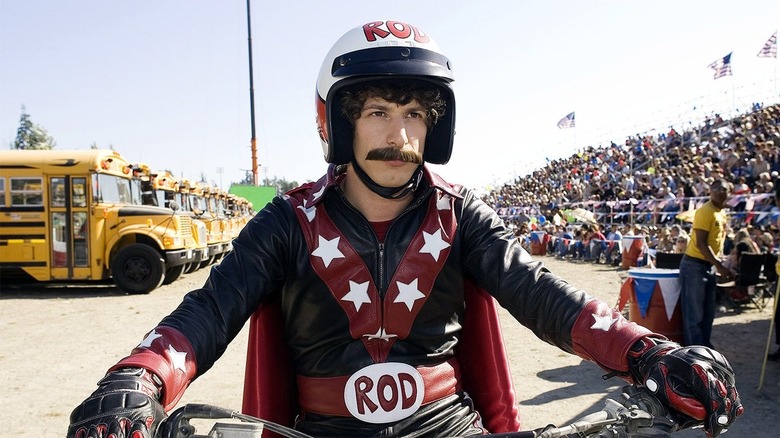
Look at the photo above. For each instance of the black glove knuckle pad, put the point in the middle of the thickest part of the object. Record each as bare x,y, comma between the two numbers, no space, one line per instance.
124,402
683,377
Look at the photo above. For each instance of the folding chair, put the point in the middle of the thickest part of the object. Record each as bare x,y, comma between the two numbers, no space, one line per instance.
668,260
749,286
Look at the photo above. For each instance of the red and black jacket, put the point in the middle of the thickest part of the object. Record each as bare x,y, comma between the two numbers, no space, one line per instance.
272,266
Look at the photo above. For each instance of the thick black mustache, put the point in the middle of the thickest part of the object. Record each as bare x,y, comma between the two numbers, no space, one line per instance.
394,154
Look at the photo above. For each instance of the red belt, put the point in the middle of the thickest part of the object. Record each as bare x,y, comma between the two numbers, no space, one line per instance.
325,395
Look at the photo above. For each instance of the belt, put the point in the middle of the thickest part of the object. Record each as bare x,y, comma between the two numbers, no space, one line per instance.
699,261
325,395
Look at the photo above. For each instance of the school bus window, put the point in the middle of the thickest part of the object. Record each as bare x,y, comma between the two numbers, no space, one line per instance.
112,189
57,192
80,247
2,192
59,244
26,192
79,192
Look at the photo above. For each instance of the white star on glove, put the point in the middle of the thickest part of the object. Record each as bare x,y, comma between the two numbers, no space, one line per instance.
178,359
381,334
443,203
434,244
603,322
328,250
310,212
408,293
358,294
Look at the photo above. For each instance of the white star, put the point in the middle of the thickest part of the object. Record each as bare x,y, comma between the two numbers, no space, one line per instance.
318,193
434,244
178,359
358,294
603,322
408,293
310,212
147,342
328,250
381,334
443,203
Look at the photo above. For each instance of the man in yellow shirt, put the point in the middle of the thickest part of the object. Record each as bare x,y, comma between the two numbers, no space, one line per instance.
697,277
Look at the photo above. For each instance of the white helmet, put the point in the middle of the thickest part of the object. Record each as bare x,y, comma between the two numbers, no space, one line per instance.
378,51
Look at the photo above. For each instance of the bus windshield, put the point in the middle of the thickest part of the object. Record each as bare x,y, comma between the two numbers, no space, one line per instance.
112,189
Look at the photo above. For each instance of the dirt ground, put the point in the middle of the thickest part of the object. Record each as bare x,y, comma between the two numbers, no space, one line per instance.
58,341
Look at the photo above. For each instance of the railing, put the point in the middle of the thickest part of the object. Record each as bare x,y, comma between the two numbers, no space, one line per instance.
753,209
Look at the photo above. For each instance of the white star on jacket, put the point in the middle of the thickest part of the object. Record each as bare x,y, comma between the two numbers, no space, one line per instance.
178,359
147,342
310,212
434,244
381,334
603,322
443,203
358,294
408,293
318,193
328,250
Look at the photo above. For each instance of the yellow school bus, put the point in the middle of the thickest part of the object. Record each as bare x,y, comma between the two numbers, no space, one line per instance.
161,189
193,199
77,216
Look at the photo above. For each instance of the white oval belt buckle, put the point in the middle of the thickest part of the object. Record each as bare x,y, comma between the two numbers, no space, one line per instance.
384,393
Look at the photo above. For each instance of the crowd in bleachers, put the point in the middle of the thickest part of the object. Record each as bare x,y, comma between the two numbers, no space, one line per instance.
648,184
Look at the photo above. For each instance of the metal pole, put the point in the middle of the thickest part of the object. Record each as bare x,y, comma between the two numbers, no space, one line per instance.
251,97
769,336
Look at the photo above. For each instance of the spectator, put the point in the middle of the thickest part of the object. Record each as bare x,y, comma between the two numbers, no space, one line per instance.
697,282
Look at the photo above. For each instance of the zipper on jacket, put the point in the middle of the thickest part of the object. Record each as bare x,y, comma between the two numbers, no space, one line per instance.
381,267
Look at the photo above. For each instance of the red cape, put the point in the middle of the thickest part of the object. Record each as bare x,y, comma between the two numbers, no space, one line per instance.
269,382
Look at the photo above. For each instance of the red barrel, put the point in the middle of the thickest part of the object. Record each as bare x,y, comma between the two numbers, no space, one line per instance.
538,243
657,317
633,247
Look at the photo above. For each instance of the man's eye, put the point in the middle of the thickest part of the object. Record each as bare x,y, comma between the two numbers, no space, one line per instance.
416,115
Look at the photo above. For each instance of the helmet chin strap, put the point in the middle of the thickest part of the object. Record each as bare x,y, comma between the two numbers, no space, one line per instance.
390,192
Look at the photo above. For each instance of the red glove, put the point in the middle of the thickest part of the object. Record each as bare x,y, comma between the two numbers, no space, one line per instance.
695,382
125,405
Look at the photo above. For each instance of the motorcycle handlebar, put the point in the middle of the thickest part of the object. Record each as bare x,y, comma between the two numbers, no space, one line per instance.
636,413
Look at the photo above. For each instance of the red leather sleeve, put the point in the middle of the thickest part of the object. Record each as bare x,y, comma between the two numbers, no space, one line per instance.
169,355
602,335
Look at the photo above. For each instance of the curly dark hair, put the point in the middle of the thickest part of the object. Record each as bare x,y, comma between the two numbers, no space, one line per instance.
399,92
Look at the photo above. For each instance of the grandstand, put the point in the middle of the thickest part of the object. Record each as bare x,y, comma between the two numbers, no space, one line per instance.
653,178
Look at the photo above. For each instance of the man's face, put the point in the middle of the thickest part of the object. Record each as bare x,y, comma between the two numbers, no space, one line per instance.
719,194
390,140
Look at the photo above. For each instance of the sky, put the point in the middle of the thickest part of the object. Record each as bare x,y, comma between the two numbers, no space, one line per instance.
166,82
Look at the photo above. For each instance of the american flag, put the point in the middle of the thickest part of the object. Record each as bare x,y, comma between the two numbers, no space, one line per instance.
567,122
770,48
722,66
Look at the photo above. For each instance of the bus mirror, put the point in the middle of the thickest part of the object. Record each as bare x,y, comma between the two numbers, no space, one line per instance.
173,205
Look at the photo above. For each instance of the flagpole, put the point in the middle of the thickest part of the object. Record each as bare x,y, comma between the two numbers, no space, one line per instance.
733,104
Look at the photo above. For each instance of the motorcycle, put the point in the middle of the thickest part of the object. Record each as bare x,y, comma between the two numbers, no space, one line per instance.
634,413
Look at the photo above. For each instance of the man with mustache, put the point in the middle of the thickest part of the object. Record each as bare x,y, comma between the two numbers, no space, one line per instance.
375,286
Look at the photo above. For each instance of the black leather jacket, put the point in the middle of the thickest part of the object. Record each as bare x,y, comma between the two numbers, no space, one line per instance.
271,258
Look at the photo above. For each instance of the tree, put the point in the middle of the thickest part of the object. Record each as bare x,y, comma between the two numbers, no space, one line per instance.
30,136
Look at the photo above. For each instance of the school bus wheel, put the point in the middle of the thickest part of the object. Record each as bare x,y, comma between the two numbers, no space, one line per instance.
138,269
173,273
191,267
